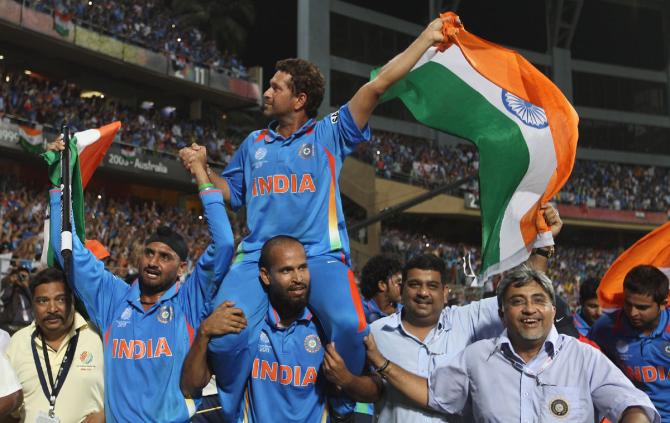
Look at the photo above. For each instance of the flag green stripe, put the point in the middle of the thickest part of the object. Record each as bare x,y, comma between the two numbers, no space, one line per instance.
440,99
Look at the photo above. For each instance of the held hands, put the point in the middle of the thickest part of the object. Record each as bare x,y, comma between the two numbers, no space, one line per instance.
224,320
193,157
335,369
374,356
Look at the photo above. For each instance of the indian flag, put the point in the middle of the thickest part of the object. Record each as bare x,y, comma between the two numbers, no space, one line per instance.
523,126
652,249
31,140
87,149
63,23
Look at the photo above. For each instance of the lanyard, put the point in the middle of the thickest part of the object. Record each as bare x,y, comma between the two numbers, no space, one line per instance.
521,367
57,384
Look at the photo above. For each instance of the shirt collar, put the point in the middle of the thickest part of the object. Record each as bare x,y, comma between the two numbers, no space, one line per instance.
78,324
273,317
550,344
624,325
133,296
272,135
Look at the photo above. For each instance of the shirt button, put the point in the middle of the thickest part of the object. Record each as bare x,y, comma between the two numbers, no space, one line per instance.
525,394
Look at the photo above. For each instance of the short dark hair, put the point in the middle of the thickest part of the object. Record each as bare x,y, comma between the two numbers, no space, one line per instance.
378,268
647,280
48,275
271,244
426,262
588,290
305,78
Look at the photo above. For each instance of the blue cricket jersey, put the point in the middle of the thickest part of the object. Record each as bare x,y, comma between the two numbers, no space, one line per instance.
580,324
286,383
644,359
290,185
145,350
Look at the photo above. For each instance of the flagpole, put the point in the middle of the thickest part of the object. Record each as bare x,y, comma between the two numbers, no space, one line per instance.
66,183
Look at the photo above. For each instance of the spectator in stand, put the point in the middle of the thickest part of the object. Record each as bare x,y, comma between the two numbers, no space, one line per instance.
16,301
62,340
589,309
381,282
636,338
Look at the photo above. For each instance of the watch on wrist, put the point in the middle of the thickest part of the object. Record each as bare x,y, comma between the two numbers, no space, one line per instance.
546,252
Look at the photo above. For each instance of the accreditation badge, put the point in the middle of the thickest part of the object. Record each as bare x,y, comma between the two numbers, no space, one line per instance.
43,417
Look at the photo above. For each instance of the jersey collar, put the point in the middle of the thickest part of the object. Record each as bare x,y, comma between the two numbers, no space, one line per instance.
624,325
273,136
273,316
133,296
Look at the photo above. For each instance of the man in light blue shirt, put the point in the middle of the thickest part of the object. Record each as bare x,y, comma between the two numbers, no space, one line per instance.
426,331
529,373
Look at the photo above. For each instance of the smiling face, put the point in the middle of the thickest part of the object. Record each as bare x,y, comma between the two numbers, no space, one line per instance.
53,308
423,296
160,267
528,313
287,278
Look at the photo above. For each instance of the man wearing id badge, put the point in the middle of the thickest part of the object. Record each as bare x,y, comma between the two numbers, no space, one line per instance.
58,358
529,373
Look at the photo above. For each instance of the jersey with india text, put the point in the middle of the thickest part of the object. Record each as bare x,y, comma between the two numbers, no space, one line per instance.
290,185
644,359
286,384
144,350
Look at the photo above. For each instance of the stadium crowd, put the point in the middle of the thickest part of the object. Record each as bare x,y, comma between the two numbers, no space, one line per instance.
150,25
593,184
39,101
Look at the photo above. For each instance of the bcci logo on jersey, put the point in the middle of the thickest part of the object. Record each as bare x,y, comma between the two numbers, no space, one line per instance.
165,314
306,151
264,343
312,343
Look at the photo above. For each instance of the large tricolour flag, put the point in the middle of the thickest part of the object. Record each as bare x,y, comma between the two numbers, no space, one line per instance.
523,126
652,249
87,149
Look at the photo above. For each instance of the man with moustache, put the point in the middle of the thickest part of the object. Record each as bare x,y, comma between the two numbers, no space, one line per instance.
528,373
285,384
149,325
637,337
58,359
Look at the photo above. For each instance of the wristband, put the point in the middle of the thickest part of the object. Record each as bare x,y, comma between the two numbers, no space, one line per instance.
384,367
205,186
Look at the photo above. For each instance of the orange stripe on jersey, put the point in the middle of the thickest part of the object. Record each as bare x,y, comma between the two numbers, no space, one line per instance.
356,298
109,329
333,231
190,330
261,135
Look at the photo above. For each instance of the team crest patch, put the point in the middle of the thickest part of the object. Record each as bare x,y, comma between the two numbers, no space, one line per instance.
312,343
261,153
334,117
526,112
165,314
85,357
666,348
306,151
559,407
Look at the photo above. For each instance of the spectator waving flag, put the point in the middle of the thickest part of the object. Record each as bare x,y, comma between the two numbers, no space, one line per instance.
30,139
523,126
87,149
652,249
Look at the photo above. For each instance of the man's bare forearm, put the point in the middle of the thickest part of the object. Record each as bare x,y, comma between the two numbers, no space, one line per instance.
221,184
364,388
195,374
412,386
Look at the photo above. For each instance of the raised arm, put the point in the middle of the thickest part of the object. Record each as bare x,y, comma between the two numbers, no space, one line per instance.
196,373
366,98
197,154
96,287
215,261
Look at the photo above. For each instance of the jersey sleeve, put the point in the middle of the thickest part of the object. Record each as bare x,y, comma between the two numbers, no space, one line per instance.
234,176
203,283
339,133
97,288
